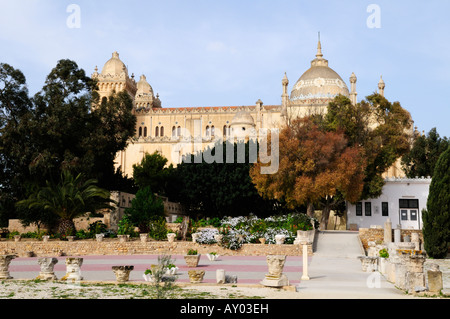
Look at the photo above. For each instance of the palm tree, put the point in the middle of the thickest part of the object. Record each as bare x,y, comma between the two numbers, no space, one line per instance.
70,198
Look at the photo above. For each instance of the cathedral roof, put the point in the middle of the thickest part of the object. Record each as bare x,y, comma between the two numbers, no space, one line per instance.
114,66
319,82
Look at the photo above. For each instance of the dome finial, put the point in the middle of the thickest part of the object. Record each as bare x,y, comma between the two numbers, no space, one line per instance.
319,49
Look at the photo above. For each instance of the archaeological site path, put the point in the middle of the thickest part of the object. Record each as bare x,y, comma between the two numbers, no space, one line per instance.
334,269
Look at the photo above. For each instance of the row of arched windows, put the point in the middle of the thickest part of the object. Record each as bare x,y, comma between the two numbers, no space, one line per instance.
176,131
159,131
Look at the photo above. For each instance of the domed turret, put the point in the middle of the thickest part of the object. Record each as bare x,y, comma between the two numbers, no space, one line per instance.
114,66
319,84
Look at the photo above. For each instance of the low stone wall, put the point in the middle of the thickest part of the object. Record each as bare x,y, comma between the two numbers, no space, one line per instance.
52,248
376,235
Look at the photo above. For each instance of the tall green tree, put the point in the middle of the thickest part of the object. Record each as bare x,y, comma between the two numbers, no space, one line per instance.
69,198
63,127
424,154
153,172
145,208
221,188
436,218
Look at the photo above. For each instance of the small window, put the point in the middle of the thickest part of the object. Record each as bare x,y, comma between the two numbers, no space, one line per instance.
413,214
162,131
404,214
359,209
174,131
157,131
145,131
367,209
179,131
140,131
207,131
385,209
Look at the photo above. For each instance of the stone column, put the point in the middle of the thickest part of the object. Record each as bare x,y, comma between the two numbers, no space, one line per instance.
122,272
275,277
73,269
435,283
305,262
397,235
416,240
5,260
47,265
388,231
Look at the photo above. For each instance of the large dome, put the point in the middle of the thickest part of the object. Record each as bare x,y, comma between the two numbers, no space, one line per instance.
319,84
114,66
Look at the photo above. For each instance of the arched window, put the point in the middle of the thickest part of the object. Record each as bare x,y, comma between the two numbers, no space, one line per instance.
225,131
179,131
145,131
207,131
140,131
157,131
174,131
162,131
213,131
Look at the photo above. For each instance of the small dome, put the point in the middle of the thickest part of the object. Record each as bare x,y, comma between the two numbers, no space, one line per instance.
243,118
143,87
319,82
114,66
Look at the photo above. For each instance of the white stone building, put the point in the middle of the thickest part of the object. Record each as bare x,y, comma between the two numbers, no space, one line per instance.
402,200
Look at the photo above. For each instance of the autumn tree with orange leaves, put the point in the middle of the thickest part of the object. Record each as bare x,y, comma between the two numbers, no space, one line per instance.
313,164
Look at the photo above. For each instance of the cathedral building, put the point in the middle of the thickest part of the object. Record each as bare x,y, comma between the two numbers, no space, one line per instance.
175,132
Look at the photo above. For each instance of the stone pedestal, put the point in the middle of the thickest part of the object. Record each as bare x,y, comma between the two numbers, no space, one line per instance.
73,269
143,237
388,231
416,240
47,265
45,238
171,237
196,276
368,263
220,276
5,260
122,272
275,277
194,237
435,283
99,237
218,238
17,238
123,238
279,239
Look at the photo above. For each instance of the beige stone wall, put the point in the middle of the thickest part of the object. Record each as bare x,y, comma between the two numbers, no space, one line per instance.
80,223
136,247
377,235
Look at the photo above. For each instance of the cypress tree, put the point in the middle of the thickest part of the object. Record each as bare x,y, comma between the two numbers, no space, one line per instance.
436,218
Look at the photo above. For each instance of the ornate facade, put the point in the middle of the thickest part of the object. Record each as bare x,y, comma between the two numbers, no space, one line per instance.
178,131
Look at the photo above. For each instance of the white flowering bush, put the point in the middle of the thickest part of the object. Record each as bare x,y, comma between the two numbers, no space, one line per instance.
240,230
206,236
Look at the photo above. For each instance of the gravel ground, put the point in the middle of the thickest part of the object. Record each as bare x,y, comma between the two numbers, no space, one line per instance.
32,289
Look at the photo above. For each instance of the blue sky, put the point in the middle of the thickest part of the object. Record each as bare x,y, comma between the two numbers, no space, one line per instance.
221,53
